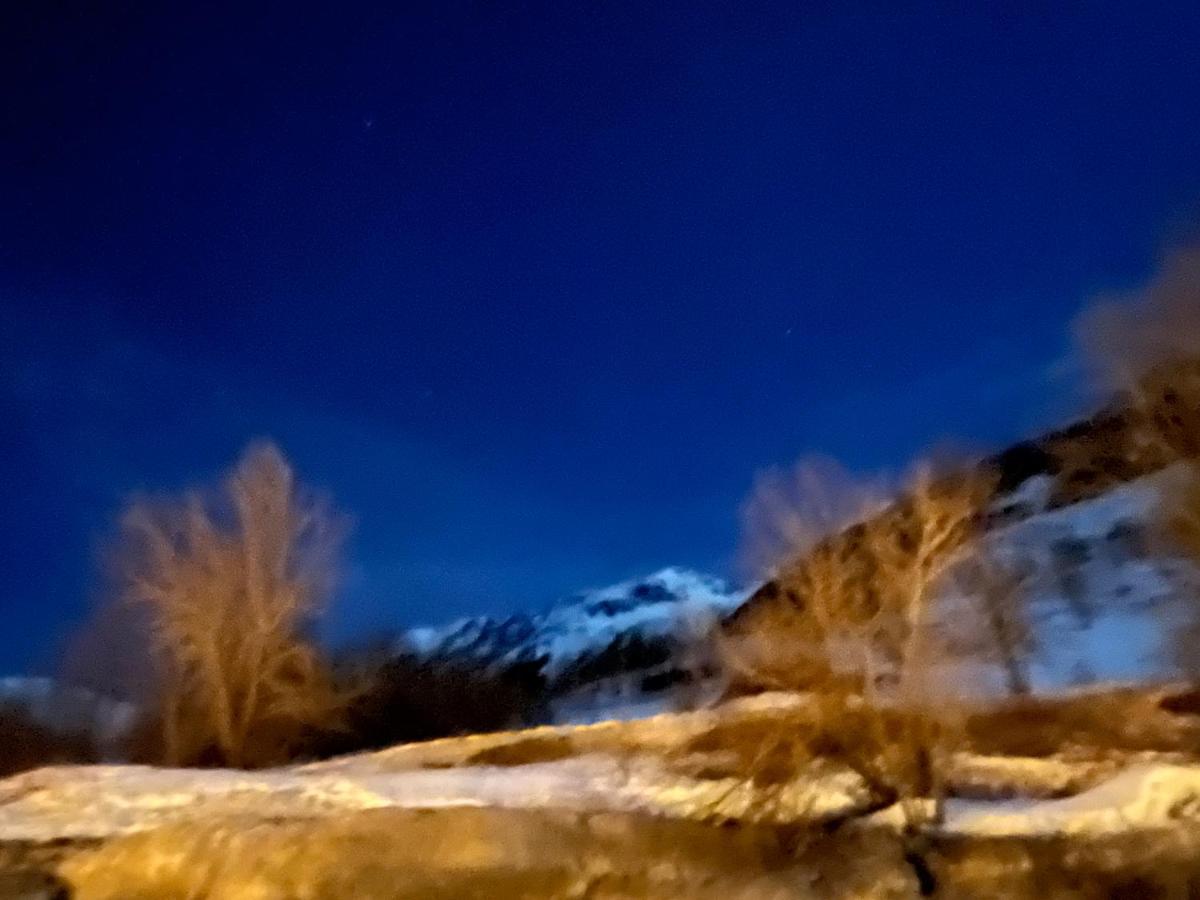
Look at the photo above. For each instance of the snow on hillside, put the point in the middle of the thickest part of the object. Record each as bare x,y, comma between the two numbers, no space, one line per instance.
1102,596
670,603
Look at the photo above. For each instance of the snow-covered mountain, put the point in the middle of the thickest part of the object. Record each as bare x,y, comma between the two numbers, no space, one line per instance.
621,641
668,603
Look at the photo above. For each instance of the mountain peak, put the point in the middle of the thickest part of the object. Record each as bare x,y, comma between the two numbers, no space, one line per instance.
672,601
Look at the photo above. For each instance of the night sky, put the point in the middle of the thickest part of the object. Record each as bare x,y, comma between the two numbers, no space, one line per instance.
534,290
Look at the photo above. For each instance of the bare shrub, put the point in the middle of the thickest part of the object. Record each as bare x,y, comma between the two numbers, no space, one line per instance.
229,587
406,699
1122,720
525,752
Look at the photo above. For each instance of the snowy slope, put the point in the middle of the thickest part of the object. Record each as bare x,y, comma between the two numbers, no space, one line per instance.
1102,595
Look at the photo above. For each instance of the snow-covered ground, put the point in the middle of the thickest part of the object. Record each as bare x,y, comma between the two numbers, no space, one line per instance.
625,767
102,801
1144,796
1102,594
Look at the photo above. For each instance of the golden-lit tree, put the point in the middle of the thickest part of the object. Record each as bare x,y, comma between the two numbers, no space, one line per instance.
230,587
1123,337
932,527
789,511
854,618
793,532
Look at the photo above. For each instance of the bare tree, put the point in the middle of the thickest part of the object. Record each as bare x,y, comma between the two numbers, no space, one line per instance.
933,526
860,599
231,586
793,527
791,510
992,622
909,551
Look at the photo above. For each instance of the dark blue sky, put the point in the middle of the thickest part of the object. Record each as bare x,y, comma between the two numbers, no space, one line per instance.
536,290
